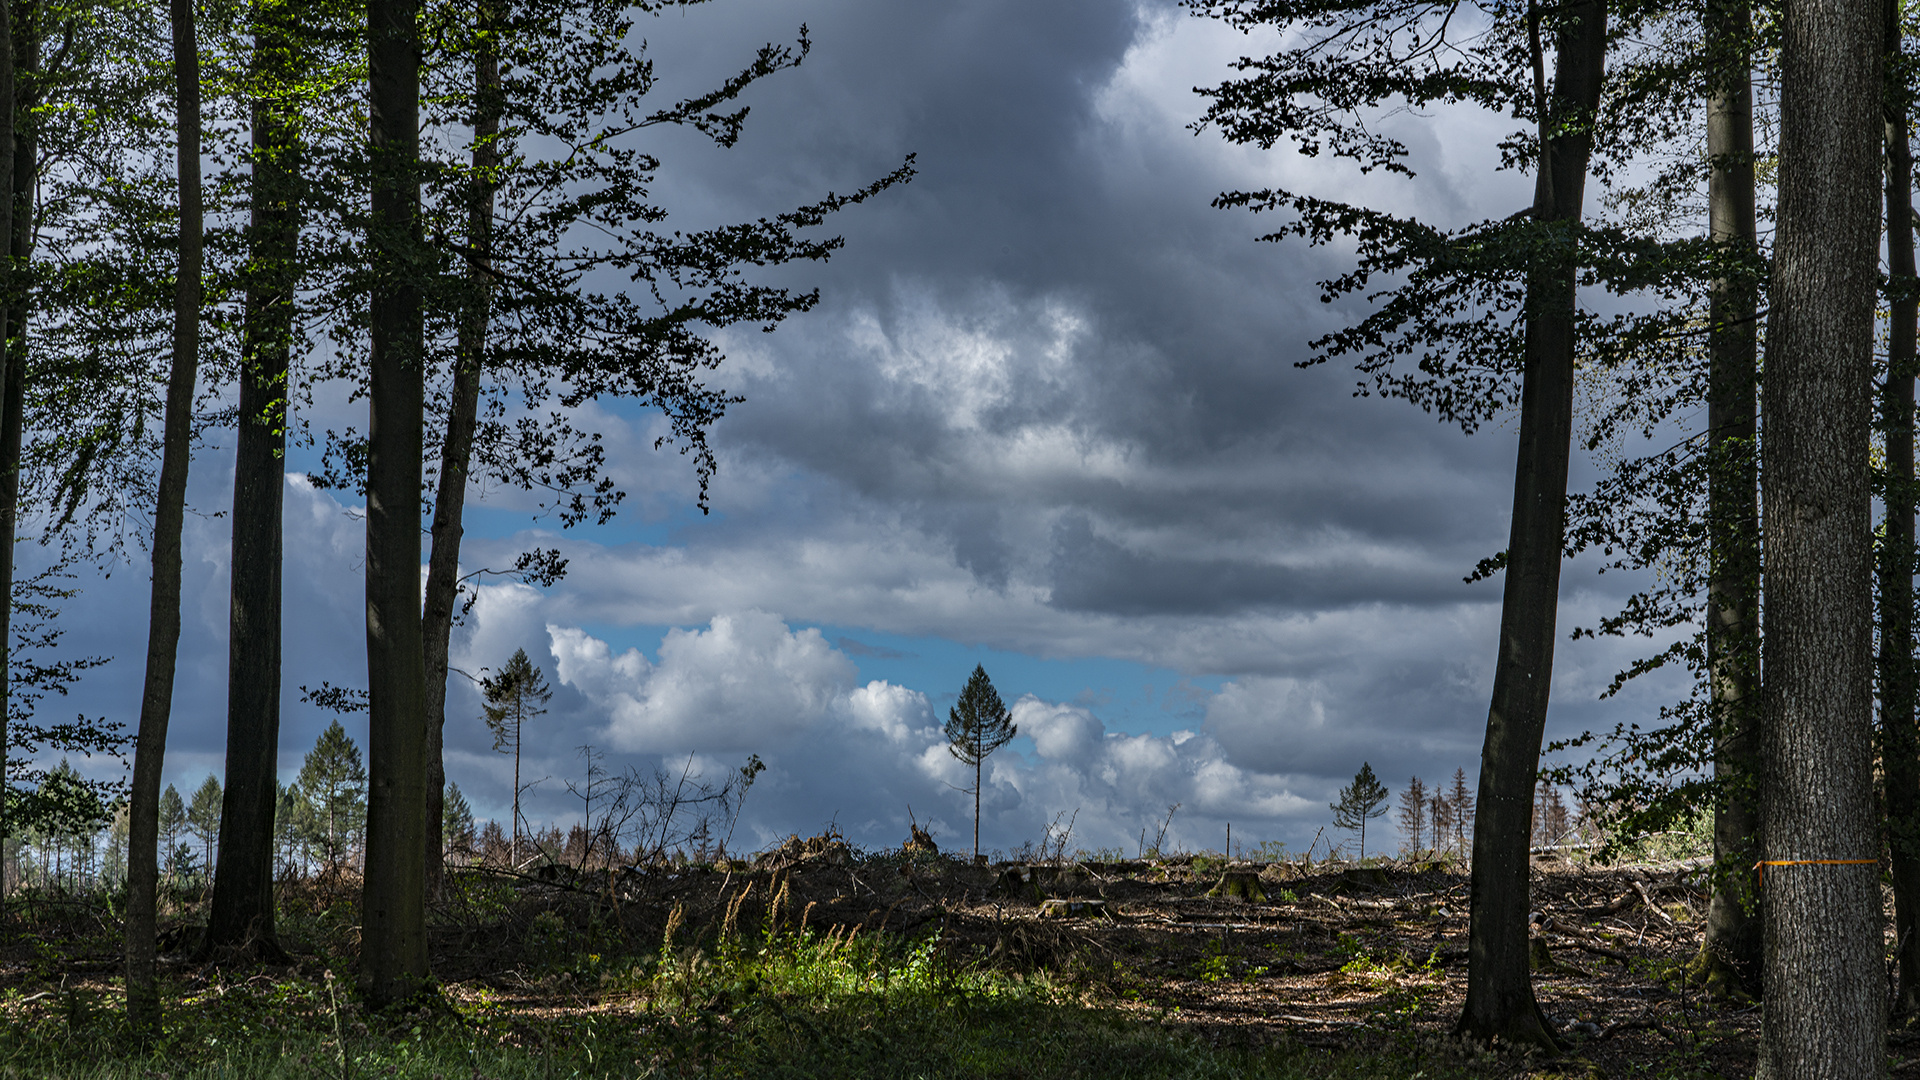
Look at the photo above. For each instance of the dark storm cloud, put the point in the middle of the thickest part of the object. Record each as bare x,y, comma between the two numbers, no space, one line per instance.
1054,283
1092,573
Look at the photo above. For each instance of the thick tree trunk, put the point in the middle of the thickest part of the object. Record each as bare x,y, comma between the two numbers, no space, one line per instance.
393,954
1900,742
1729,960
456,449
1500,1005
242,911
163,618
1824,984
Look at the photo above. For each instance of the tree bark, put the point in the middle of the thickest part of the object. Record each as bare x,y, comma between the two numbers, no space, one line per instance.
7,375
1824,984
242,910
393,955
25,36
1729,960
1500,1006
1900,742
163,618
456,449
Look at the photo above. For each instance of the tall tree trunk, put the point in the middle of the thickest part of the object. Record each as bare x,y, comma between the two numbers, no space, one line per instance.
242,911
1900,745
977,763
393,953
7,284
456,449
1729,960
25,35
513,857
163,618
1500,1004
1824,984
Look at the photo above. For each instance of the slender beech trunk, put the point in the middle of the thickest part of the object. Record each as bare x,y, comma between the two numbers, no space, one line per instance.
7,376
456,449
242,910
1729,960
1824,983
513,849
1900,742
393,953
1500,1004
163,618
25,35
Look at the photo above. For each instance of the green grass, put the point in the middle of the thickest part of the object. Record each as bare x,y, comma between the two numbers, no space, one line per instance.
765,1005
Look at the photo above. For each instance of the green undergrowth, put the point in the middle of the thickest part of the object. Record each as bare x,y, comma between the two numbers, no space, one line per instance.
764,1005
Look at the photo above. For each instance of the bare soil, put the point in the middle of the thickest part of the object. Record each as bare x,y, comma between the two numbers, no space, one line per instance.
1333,956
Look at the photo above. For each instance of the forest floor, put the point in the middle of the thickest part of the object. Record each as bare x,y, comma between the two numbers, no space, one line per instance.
818,960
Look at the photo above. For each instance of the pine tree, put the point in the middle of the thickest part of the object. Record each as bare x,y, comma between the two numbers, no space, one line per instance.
334,780
1460,797
292,824
493,843
173,818
113,866
1553,817
203,817
1365,798
514,696
977,725
1413,815
456,821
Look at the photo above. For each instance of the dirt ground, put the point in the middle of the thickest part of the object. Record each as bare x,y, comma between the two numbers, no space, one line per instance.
1322,955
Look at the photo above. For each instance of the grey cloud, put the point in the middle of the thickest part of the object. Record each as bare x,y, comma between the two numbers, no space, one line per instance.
1092,573
853,647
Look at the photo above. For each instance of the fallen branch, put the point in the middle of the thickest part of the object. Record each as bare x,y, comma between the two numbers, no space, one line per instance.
1598,950
1648,902
1625,901
1323,1022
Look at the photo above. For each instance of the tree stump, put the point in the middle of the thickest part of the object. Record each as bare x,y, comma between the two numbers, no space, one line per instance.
1240,885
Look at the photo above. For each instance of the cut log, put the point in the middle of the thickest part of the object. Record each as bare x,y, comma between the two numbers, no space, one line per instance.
1073,909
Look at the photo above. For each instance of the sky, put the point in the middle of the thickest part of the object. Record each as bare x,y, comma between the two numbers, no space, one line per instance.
1045,419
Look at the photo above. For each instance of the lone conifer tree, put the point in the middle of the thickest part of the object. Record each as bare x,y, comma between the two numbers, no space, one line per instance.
172,819
1365,798
203,818
456,820
977,725
513,697
334,779
1461,799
